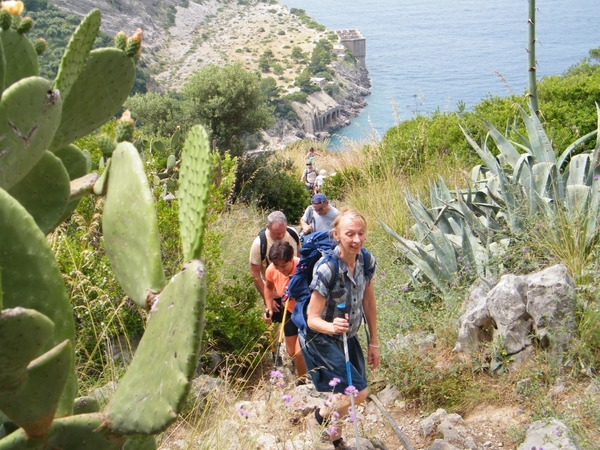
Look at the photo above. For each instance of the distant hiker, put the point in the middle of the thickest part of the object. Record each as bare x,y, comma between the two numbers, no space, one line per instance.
312,155
320,180
277,276
276,230
318,216
322,346
309,176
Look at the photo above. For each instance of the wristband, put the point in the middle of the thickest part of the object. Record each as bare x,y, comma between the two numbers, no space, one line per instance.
374,346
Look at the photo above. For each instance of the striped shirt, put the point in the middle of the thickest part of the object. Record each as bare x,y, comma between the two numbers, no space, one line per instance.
347,290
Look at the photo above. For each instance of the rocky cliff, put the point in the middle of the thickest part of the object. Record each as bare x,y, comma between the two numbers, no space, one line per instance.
180,36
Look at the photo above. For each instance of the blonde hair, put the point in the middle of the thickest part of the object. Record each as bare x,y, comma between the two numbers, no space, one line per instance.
353,215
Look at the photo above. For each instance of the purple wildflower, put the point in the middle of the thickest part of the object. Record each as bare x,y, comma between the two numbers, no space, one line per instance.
331,431
277,378
351,390
351,415
334,382
243,412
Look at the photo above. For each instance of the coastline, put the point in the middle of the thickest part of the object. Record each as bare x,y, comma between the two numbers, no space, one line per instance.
209,33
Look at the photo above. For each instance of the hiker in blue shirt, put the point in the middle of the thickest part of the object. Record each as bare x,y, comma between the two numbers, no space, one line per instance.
323,347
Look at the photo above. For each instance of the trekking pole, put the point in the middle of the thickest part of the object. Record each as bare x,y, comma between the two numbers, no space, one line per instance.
349,376
279,341
282,326
271,340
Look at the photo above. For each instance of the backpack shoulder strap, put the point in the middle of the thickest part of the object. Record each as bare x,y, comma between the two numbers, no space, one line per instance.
293,234
332,259
367,262
263,244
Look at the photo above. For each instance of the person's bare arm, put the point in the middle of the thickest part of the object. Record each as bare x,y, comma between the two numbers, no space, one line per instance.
258,282
316,323
306,227
370,309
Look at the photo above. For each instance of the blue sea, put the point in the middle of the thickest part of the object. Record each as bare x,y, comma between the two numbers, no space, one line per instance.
424,55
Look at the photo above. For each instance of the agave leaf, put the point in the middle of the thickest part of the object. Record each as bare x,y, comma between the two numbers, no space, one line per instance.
573,146
467,250
541,177
488,158
471,219
540,144
578,169
522,169
458,228
508,151
423,261
577,199
421,215
592,212
444,250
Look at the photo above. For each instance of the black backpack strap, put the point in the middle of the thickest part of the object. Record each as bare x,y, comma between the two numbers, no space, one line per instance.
293,234
262,235
263,241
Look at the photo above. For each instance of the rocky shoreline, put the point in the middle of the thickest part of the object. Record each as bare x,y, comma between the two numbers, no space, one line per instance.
182,37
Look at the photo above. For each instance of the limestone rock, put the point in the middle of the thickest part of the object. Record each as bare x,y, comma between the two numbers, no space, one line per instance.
540,304
549,434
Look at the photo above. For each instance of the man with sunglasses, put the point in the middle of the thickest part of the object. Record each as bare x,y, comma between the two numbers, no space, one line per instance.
318,216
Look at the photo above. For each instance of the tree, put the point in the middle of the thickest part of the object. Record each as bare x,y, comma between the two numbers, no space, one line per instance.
297,54
229,101
268,86
158,114
263,63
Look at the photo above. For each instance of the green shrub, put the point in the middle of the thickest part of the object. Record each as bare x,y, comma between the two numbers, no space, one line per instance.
336,186
300,97
268,181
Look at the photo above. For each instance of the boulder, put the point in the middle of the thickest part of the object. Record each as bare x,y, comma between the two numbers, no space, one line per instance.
518,308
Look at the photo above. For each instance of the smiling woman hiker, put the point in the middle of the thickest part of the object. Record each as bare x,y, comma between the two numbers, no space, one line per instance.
323,346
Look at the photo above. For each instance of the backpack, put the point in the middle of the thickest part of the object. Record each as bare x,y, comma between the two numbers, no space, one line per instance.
263,242
316,245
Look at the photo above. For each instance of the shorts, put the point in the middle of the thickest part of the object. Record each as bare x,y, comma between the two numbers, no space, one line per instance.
325,360
289,327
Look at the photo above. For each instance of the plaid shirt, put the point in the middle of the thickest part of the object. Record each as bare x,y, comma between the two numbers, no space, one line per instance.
347,290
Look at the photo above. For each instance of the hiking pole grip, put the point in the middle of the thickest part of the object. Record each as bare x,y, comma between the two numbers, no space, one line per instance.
342,307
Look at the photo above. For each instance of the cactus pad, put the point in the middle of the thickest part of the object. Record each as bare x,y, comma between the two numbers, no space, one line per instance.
153,390
44,192
31,279
86,405
32,405
21,60
97,95
77,51
77,165
23,334
29,116
87,431
194,183
131,228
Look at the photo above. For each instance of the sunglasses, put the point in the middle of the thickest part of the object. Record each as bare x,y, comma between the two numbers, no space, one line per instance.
319,209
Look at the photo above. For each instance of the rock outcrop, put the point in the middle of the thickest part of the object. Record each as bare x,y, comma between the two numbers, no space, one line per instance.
519,309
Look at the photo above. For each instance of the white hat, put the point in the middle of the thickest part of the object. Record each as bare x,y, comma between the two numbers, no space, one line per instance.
323,172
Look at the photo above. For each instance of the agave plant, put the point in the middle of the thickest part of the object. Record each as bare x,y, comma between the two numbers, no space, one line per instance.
463,229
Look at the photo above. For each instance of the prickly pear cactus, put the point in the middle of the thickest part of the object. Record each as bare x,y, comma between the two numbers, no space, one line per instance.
42,177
